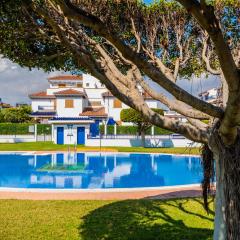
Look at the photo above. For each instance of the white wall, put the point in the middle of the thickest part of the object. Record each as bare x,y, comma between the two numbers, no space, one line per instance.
113,112
152,103
67,139
95,94
17,138
93,88
137,142
69,112
42,102
91,82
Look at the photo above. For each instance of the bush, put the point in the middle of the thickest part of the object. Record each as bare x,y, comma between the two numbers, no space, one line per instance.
22,128
132,130
44,129
16,115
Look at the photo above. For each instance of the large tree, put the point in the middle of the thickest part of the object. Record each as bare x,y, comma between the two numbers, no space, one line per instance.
122,42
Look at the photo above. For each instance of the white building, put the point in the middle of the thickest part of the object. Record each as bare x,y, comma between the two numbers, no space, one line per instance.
76,105
213,96
4,105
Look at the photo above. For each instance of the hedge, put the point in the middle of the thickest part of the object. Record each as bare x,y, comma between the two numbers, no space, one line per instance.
132,130
22,128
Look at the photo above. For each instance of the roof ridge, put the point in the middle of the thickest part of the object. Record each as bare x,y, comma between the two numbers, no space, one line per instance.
66,77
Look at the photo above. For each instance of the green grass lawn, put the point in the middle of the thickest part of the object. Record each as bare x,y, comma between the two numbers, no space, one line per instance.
183,219
49,146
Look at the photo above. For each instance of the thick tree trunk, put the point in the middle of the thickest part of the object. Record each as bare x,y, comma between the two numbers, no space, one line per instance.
227,210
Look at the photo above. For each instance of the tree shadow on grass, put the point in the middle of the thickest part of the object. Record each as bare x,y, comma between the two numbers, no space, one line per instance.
143,220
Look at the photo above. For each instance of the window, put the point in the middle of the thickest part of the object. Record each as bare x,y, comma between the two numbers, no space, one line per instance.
61,85
95,103
117,103
69,103
79,85
87,84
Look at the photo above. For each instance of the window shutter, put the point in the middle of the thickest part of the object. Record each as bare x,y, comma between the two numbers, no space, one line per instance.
117,103
68,103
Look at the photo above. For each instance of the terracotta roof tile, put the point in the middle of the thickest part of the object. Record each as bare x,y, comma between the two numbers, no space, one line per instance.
66,77
70,92
42,94
93,112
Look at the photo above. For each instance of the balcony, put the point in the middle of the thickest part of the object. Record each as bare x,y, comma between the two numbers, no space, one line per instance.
46,108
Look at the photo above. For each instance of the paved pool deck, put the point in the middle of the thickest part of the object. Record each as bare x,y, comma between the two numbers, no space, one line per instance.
164,193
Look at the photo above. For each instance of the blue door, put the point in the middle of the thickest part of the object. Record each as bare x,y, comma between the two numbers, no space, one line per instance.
81,135
60,135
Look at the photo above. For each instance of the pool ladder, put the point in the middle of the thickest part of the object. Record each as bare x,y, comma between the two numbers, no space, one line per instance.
74,152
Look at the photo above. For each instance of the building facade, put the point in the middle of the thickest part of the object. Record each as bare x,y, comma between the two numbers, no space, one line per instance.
4,105
81,101
213,96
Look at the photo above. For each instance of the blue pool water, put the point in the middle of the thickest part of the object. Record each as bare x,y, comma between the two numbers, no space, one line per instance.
97,171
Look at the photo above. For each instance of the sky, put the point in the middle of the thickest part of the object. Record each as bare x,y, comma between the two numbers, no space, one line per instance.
16,83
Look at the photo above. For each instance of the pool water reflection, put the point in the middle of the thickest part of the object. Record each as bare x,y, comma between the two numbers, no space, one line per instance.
97,171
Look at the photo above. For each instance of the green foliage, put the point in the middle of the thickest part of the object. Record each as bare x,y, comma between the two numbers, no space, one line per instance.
14,128
132,130
28,39
133,116
22,42
1,116
16,115
44,129
23,128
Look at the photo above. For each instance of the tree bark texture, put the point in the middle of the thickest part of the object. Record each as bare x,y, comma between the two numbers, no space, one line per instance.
227,216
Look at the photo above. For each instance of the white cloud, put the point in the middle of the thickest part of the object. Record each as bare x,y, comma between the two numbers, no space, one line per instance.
16,83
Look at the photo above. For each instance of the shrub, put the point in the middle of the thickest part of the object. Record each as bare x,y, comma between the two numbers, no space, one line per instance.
132,130
22,128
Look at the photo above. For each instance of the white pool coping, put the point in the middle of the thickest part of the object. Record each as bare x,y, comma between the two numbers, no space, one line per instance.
99,152
110,190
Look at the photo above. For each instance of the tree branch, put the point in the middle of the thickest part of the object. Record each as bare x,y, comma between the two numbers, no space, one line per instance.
206,58
205,16
97,25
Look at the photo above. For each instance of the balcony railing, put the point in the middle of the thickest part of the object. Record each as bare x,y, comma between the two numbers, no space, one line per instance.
47,108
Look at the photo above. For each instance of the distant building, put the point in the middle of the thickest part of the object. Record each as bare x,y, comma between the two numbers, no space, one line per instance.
213,96
174,115
81,101
4,105
22,104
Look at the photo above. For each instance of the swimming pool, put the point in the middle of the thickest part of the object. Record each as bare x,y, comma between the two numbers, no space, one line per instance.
97,170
